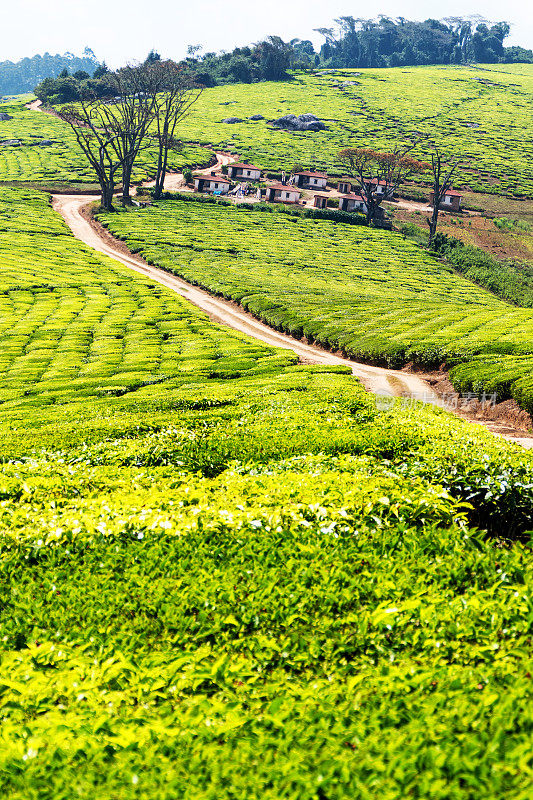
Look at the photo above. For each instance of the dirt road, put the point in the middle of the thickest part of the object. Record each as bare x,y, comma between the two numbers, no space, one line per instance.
389,383
174,181
386,383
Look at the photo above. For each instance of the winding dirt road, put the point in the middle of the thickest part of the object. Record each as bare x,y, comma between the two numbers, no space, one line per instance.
386,383
389,383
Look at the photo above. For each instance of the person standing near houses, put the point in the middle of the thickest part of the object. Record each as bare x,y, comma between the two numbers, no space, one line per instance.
283,176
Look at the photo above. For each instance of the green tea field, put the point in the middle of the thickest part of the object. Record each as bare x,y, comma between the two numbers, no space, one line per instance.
367,292
482,114
224,574
59,161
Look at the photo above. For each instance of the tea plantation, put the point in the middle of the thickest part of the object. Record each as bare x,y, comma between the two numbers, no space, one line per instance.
368,292
482,114
223,574
59,160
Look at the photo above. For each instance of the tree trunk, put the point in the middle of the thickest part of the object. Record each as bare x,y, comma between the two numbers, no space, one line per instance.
107,191
433,222
126,183
160,175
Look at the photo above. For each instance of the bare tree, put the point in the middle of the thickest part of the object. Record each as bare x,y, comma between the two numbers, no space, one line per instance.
130,114
372,168
174,96
97,143
443,172
112,130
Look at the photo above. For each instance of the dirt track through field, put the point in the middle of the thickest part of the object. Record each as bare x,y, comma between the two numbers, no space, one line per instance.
380,381
386,383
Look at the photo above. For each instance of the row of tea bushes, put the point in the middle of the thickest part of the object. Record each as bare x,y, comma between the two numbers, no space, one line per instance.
481,113
301,607
76,323
250,585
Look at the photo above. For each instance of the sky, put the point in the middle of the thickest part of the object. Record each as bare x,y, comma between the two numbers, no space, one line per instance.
121,31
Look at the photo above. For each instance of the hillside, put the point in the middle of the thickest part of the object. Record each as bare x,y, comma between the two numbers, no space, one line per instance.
367,292
40,149
212,557
481,113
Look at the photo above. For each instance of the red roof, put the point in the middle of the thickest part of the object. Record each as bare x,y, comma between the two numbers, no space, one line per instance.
453,193
210,178
379,183
244,166
313,174
351,197
284,186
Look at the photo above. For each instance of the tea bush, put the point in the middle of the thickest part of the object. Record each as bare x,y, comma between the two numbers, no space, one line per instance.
251,586
482,113
369,293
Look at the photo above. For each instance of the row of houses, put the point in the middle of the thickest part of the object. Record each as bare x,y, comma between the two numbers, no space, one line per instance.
289,191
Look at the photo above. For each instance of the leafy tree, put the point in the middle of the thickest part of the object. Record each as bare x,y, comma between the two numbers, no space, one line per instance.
152,57
370,168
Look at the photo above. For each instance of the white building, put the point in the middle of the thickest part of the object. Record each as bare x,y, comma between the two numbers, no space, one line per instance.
352,202
211,183
311,180
245,172
282,193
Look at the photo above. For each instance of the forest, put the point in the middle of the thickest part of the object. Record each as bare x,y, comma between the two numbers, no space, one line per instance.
24,75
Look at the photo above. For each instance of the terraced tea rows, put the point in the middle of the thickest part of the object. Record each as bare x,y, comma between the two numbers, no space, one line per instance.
367,292
73,323
482,113
61,160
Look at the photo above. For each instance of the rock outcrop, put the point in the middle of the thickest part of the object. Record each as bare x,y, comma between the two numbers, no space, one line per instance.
305,122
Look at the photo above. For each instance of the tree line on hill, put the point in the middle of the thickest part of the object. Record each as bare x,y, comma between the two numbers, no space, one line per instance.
22,76
400,42
353,43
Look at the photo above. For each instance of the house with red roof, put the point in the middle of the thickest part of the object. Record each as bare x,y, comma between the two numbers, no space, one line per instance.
352,202
282,193
451,200
213,184
381,189
246,172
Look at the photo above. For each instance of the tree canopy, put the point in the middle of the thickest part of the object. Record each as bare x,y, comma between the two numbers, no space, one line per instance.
24,75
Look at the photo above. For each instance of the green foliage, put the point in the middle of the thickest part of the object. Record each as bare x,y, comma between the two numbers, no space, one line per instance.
503,278
22,76
480,113
369,293
226,575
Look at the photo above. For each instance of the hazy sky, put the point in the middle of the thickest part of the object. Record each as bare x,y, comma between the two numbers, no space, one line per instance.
125,30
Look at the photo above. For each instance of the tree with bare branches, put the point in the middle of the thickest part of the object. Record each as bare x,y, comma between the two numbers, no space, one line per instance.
371,168
175,94
97,143
112,129
443,172
130,114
